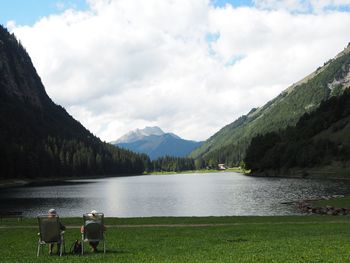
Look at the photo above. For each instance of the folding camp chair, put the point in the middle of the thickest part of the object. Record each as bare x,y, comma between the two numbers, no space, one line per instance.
50,233
93,230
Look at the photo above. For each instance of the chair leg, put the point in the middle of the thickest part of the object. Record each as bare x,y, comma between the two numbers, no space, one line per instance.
104,246
61,246
38,252
82,247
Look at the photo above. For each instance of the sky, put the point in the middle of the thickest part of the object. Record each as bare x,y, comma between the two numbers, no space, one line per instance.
187,66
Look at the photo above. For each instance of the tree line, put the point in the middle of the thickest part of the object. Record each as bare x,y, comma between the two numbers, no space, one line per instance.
319,138
50,143
172,164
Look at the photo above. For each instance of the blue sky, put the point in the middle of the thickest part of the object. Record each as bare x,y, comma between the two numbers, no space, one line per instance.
27,12
232,2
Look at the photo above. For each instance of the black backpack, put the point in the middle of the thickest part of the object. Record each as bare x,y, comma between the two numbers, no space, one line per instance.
76,248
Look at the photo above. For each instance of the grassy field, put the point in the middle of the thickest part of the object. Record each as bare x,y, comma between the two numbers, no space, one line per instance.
202,239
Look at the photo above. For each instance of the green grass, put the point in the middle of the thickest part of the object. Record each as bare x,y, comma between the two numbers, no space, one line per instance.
246,239
343,202
233,169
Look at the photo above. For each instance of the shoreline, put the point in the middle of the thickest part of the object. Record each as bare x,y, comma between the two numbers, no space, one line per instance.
325,205
203,171
325,176
295,174
332,171
299,177
22,182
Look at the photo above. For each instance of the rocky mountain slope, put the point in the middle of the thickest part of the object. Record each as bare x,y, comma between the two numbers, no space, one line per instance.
229,145
39,138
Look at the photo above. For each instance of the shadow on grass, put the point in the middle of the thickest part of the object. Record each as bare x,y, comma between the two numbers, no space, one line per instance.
100,252
238,240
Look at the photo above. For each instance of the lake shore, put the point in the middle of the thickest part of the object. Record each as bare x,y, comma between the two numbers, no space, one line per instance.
203,171
329,172
8,183
332,172
62,180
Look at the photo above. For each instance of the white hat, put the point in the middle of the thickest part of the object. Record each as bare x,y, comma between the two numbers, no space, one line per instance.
92,213
52,211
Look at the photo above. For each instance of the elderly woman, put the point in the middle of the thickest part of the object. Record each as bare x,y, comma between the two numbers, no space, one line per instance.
94,218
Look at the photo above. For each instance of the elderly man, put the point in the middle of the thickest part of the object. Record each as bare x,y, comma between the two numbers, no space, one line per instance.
53,213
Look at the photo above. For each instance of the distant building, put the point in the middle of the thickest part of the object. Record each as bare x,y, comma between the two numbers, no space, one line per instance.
221,166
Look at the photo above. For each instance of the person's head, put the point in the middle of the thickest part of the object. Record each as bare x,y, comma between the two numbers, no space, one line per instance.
93,215
52,212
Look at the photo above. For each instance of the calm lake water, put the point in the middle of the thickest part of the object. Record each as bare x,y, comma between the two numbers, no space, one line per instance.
214,194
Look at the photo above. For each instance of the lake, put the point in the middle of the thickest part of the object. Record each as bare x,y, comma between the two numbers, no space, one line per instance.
212,194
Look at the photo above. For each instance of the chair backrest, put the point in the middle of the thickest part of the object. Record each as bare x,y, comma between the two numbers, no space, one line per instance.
93,226
49,229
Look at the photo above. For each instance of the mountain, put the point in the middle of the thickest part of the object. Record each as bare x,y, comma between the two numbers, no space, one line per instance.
229,145
318,146
156,143
39,138
139,134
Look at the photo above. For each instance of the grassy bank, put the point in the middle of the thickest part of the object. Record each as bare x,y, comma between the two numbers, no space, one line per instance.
203,171
202,239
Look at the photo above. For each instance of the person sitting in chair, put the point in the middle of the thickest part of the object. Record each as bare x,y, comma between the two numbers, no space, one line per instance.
93,220
53,213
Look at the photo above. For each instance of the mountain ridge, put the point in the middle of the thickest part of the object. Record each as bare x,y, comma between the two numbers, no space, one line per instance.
156,143
229,144
39,138
138,134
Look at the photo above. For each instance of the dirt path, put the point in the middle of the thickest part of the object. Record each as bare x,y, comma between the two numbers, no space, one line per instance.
192,225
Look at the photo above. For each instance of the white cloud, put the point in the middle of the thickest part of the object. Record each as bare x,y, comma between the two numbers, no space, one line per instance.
126,64
11,24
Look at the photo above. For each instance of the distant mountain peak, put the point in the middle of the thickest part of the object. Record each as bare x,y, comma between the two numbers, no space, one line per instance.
156,143
155,130
139,134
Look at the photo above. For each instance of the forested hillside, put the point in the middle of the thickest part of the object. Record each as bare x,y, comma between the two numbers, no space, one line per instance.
39,138
320,139
229,145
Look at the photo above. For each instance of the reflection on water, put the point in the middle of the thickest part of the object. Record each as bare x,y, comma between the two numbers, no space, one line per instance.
214,194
